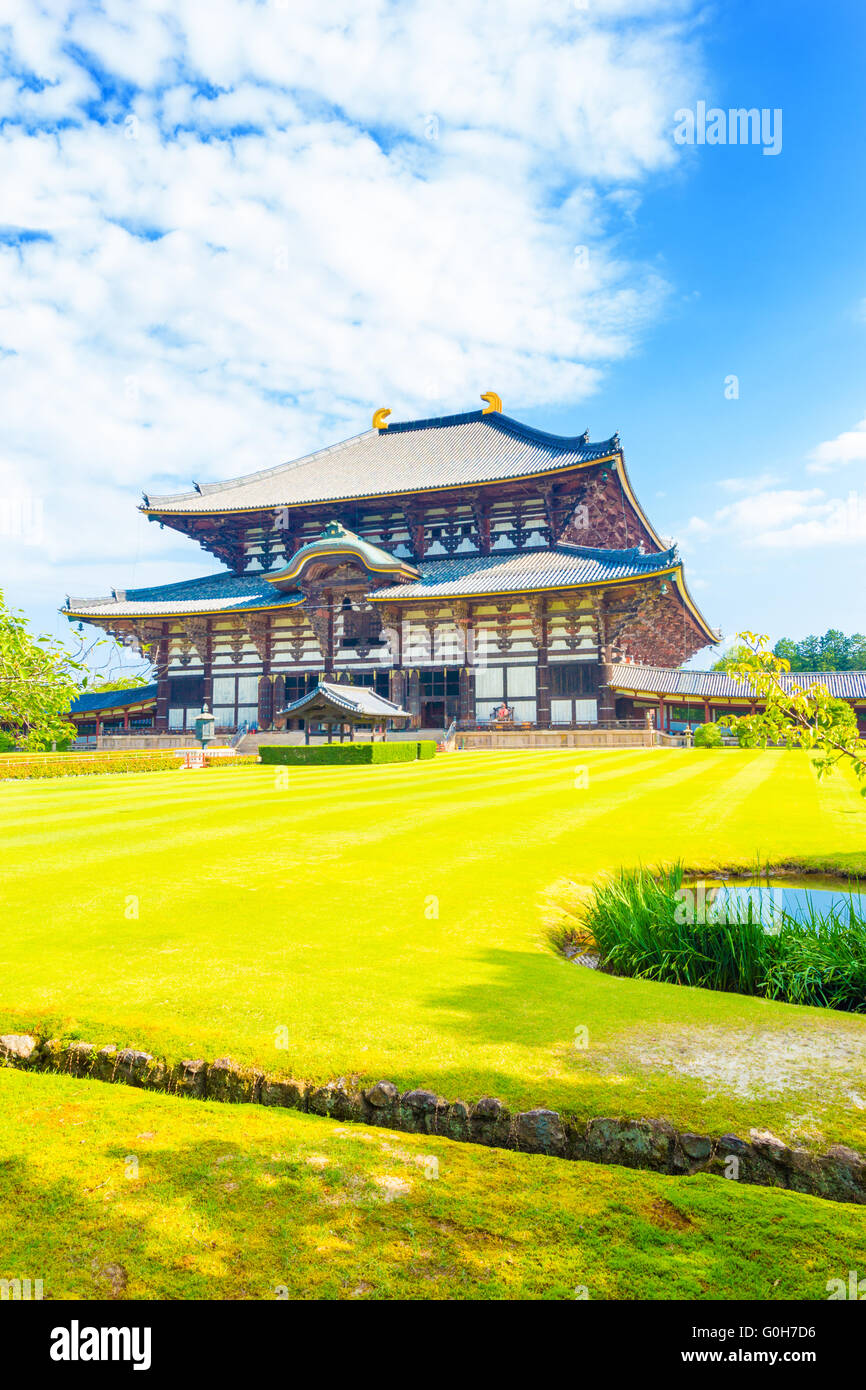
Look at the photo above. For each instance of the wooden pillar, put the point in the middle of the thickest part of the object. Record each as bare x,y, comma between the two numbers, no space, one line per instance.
606,697
306,731
466,698
265,711
207,666
707,715
413,698
126,720
661,715
329,655
542,678
161,721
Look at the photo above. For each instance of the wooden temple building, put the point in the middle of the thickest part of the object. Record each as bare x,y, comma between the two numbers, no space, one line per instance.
467,568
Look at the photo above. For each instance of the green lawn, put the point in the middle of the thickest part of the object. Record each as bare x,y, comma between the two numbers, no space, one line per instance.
148,1196
392,920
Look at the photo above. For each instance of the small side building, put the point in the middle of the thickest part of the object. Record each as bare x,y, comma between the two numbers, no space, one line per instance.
344,708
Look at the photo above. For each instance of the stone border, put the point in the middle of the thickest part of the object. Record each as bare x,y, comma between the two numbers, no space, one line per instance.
764,1160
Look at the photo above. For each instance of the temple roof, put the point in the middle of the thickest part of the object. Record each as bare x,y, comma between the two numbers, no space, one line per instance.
413,456
92,702
558,566
661,680
561,566
351,699
215,593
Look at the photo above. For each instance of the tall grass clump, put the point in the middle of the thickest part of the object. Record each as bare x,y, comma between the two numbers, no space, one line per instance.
647,924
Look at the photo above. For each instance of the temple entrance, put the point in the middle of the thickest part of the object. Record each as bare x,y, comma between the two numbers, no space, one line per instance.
433,714
439,694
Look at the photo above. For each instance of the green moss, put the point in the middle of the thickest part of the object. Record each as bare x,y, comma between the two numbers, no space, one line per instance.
109,1192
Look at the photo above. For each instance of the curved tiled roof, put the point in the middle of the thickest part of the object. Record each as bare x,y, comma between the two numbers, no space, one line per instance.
337,541
661,680
215,593
416,455
354,699
89,703
558,566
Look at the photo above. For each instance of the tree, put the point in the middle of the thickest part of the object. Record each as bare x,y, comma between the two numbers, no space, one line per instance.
804,716
832,652
38,681
738,653
708,736
120,683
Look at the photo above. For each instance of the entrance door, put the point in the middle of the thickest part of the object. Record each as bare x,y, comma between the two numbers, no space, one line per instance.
433,714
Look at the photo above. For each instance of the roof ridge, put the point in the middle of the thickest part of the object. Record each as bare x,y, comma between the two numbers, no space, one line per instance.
508,425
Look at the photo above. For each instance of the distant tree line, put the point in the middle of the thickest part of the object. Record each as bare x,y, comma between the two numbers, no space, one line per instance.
832,652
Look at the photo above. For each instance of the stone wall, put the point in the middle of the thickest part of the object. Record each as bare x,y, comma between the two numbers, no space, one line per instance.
838,1175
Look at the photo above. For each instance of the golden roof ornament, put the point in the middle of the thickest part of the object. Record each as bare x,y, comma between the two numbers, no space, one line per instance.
494,402
380,418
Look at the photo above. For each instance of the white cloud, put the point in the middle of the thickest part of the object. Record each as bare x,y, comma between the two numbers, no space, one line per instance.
784,519
847,447
260,221
760,482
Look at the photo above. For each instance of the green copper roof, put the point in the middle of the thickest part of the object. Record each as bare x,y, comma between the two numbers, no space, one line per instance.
337,541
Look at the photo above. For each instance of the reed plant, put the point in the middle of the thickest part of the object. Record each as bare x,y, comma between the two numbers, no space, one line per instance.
645,923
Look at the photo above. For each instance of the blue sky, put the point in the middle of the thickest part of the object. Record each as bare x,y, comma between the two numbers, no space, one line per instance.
229,232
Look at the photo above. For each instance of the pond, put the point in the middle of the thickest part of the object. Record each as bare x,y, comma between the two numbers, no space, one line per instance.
805,899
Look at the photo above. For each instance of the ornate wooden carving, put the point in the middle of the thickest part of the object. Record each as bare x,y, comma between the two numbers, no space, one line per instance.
451,538
556,510
481,513
603,516
519,533
316,607
144,633
414,518
537,621
194,635
575,621
504,635
297,634
259,630
236,636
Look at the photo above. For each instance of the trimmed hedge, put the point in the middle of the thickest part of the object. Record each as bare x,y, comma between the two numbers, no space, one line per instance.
23,765
239,760
403,751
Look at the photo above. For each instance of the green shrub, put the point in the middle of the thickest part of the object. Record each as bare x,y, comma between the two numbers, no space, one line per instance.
352,753
427,748
708,736
642,924
23,765
239,760
7,742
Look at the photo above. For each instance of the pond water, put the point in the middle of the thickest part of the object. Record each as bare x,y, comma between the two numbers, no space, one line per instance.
770,898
